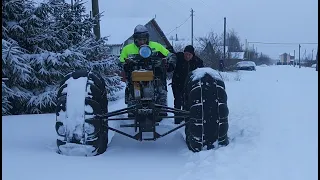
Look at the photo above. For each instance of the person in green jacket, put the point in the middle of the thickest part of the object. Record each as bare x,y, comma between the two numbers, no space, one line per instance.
141,37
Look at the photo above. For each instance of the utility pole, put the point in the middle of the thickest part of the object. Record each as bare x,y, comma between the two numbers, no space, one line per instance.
246,47
305,54
192,26
317,60
254,52
294,59
95,12
224,45
299,56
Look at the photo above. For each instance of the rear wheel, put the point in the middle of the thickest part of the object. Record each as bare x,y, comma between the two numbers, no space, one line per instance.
206,99
81,97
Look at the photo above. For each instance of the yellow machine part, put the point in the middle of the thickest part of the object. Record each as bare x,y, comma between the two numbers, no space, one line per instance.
142,76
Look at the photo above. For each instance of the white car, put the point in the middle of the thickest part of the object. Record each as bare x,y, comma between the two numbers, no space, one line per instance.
246,65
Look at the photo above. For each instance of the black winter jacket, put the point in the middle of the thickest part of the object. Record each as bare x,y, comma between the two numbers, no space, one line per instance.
182,70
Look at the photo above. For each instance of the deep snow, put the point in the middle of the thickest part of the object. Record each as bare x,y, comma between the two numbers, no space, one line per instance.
273,122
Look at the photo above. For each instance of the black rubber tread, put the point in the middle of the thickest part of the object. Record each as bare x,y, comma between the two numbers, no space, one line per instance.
97,99
206,99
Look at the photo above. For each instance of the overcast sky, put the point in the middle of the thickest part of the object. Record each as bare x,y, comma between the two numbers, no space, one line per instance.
283,21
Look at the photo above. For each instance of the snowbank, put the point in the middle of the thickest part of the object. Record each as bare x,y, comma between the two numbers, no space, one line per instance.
263,65
274,136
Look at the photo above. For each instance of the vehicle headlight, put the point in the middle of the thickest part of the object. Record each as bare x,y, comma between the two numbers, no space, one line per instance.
145,51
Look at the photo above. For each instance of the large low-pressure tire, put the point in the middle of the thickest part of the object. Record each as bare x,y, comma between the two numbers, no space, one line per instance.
206,99
81,97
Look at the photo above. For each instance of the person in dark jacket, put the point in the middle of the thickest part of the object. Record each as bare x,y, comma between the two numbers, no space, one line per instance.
186,62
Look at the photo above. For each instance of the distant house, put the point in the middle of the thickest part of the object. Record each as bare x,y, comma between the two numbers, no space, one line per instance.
236,55
120,31
286,58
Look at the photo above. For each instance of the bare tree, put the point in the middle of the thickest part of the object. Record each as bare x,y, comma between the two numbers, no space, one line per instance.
263,59
178,47
233,41
250,54
209,50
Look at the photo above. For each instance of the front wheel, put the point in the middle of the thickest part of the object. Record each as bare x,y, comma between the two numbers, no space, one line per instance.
206,100
81,97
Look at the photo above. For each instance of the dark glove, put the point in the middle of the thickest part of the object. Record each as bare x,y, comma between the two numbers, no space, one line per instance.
172,59
128,64
129,61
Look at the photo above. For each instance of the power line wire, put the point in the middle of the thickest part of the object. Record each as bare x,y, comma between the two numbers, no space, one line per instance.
180,3
206,5
183,3
257,42
178,26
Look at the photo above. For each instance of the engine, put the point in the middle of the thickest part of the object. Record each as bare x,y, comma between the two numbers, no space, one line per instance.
143,84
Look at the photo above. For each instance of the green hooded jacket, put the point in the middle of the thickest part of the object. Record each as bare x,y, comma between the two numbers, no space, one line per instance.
133,49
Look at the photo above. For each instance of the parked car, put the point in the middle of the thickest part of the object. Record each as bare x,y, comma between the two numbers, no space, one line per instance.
246,65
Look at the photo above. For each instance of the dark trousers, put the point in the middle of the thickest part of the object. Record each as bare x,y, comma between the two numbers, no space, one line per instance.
178,101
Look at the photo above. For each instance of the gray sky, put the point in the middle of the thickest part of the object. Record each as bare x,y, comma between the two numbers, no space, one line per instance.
254,20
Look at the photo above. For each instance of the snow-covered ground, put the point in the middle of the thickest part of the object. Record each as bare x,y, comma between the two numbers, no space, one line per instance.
273,122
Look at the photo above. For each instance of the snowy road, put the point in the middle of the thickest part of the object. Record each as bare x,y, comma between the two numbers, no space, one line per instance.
273,117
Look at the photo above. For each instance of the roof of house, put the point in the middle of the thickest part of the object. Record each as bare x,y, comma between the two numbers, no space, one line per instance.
120,29
156,25
236,55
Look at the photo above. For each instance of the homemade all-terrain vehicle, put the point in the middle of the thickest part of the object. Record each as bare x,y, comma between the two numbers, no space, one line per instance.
82,108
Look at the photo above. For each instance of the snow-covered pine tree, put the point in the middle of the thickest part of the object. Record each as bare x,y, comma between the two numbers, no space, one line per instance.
96,51
6,105
72,46
104,64
54,39
55,53
29,29
14,66
17,70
